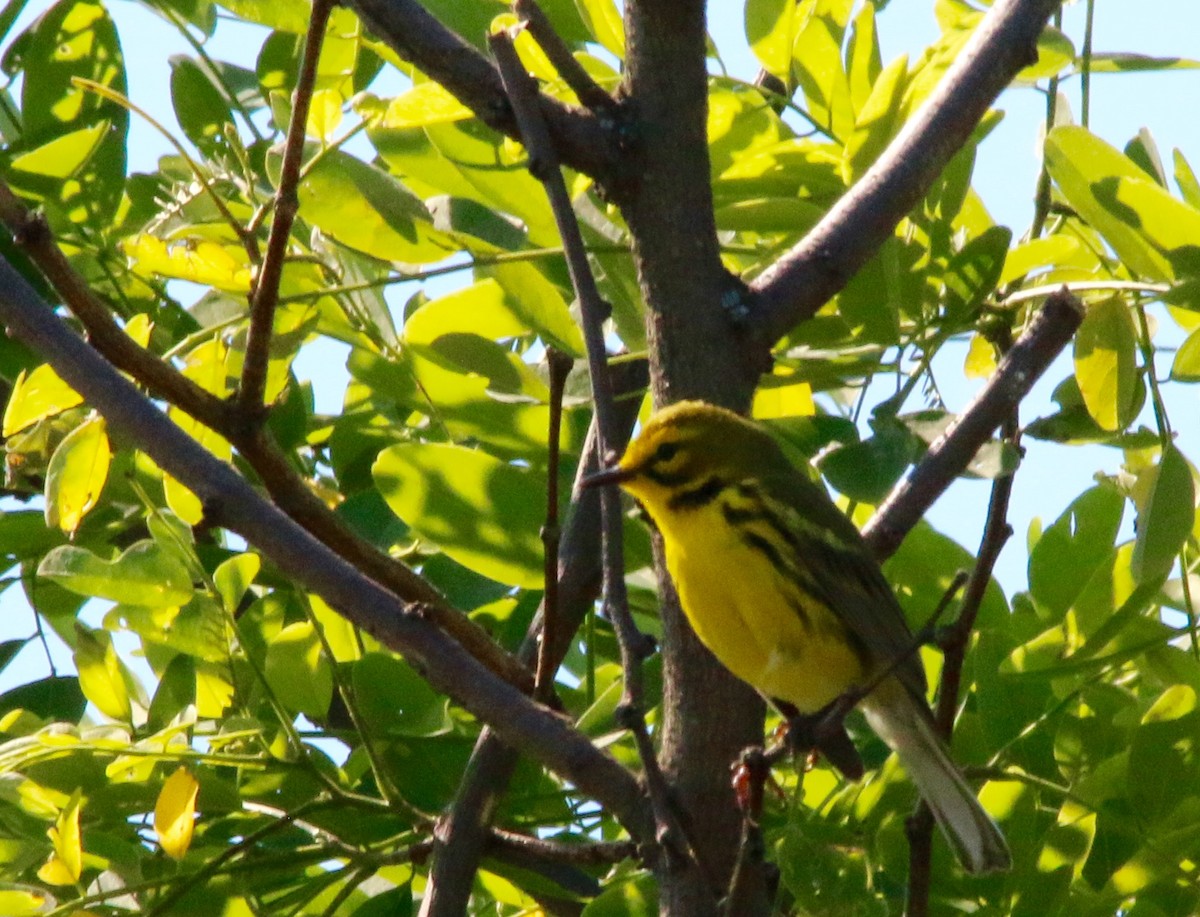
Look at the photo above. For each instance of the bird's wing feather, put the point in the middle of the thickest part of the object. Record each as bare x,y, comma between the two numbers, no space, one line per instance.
833,557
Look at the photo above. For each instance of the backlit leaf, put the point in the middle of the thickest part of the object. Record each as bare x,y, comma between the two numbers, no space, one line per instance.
76,474
175,813
1165,516
481,511
1106,364
144,574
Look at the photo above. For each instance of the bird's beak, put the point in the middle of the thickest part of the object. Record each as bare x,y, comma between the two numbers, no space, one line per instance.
612,475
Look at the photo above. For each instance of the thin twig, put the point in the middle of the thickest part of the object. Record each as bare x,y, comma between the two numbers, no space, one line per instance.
266,286
543,679
996,532
951,453
583,141
463,832
232,503
590,93
634,646
253,441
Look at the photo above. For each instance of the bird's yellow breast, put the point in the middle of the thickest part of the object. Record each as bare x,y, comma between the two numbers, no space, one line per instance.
756,621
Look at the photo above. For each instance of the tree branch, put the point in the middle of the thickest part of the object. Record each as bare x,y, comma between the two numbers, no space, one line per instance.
464,830
948,457
583,141
634,646
253,441
821,264
232,503
265,294
590,94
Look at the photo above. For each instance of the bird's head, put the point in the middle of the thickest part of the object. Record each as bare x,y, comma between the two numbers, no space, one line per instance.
687,450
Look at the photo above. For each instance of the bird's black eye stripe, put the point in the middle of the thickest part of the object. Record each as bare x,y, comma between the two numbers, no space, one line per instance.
665,452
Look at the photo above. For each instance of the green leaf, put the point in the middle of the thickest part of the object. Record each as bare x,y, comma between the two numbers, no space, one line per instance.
771,27
366,209
1055,53
425,103
603,20
234,577
56,698
200,103
1070,551
284,15
36,395
867,470
394,700
1185,178
635,896
1165,516
144,574
538,303
298,672
176,691
817,64
102,677
974,271
1186,366
74,40
877,121
483,512
488,310
1120,62
1152,232
76,474
1106,364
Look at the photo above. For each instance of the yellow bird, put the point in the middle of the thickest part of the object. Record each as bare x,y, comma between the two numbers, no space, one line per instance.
779,585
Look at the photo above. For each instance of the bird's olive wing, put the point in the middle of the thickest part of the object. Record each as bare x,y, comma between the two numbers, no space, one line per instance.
827,554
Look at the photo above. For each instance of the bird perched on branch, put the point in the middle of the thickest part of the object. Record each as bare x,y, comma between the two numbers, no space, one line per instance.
779,585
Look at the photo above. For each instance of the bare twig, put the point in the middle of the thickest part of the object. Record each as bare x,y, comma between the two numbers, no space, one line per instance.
463,831
590,94
32,234
996,532
952,452
804,279
286,487
543,680
232,503
634,646
266,286
582,141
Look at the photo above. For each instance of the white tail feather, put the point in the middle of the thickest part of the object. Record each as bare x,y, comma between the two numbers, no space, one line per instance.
909,731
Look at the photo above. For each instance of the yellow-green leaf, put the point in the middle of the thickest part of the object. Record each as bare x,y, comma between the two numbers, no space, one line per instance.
144,574
482,512
980,362
175,813
102,677
425,103
66,862
38,394
1165,516
298,671
324,114
1186,367
198,260
1153,233
1106,364
76,474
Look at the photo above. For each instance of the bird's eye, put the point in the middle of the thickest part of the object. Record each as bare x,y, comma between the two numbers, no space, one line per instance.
666,451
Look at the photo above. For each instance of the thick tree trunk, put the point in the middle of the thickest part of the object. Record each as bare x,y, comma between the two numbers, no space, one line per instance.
708,715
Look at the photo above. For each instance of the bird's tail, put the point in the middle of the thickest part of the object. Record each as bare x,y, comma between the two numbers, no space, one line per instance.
898,718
